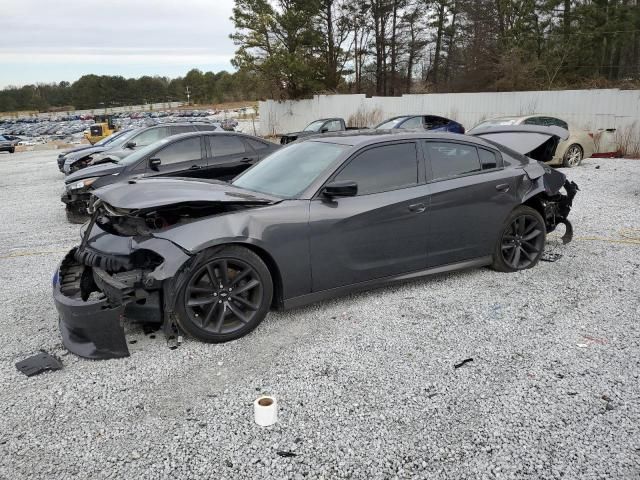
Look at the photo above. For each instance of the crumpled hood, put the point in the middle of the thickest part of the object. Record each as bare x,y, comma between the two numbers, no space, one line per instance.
151,193
74,156
94,171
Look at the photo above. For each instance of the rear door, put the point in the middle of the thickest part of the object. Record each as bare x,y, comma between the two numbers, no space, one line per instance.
182,158
382,231
228,156
471,195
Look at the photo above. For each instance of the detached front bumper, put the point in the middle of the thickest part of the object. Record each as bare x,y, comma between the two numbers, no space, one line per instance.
92,303
93,328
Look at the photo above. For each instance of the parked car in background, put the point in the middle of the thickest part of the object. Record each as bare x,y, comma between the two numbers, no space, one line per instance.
324,125
325,216
433,123
127,144
205,154
8,143
569,152
105,142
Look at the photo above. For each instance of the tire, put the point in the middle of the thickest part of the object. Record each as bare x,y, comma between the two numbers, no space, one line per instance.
12,150
215,315
517,247
74,215
573,156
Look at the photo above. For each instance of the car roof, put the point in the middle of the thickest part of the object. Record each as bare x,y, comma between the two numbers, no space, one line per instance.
372,137
213,132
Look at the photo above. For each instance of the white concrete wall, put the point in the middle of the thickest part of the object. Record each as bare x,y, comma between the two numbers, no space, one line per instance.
589,109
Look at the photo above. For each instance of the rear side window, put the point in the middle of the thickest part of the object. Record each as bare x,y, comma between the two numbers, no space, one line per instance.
222,145
181,151
488,159
435,122
382,169
450,160
256,144
333,126
207,128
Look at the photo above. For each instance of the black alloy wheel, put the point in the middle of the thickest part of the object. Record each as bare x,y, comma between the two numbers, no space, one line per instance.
227,295
522,241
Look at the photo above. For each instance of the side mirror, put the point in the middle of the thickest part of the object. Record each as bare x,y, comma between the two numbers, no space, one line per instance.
154,163
324,130
130,145
340,189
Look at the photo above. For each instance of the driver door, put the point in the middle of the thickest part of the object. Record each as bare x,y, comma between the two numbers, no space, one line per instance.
380,232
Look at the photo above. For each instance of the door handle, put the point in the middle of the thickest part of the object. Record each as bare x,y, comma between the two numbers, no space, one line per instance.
503,187
247,159
417,207
195,167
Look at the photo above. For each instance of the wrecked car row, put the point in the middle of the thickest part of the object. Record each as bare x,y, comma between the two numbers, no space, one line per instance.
324,216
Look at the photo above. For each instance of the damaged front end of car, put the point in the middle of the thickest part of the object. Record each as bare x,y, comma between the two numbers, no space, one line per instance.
122,271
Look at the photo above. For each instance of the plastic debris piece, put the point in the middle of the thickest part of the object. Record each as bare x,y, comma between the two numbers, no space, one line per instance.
286,454
38,363
463,362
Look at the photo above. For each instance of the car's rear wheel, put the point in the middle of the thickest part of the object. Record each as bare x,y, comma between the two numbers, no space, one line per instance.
573,156
521,241
227,294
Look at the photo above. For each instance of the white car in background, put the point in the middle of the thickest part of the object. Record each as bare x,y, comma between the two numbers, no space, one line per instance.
569,152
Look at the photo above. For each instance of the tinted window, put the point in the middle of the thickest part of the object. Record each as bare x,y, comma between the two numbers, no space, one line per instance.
381,169
257,145
181,151
226,145
452,159
149,136
532,121
207,128
557,122
414,122
435,122
488,159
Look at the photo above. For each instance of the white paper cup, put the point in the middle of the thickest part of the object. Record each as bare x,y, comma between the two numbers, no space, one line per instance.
265,410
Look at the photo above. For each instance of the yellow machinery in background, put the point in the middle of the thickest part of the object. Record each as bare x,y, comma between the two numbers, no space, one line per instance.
102,128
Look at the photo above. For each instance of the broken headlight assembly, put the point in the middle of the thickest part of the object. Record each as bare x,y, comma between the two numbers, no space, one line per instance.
82,184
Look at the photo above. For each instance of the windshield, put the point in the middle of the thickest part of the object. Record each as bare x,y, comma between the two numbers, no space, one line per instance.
120,140
109,139
290,170
314,126
389,124
137,155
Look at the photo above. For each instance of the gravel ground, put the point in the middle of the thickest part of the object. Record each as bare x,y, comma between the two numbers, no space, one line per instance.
366,383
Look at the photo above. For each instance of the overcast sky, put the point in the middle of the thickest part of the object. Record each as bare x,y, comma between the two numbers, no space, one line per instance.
50,41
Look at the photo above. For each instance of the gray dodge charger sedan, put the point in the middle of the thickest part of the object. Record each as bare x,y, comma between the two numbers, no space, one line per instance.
318,218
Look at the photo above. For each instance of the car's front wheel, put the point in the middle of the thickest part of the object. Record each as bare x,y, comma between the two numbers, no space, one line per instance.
573,156
226,295
12,150
521,241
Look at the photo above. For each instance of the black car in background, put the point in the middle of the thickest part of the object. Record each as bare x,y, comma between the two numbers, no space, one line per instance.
126,144
215,155
8,143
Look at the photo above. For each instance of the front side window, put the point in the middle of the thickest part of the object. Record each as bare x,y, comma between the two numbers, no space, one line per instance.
222,145
450,160
390,124
382,169
150,136
181,151
314,126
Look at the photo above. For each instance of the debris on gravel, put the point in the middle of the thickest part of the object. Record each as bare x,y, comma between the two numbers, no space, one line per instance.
364,383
